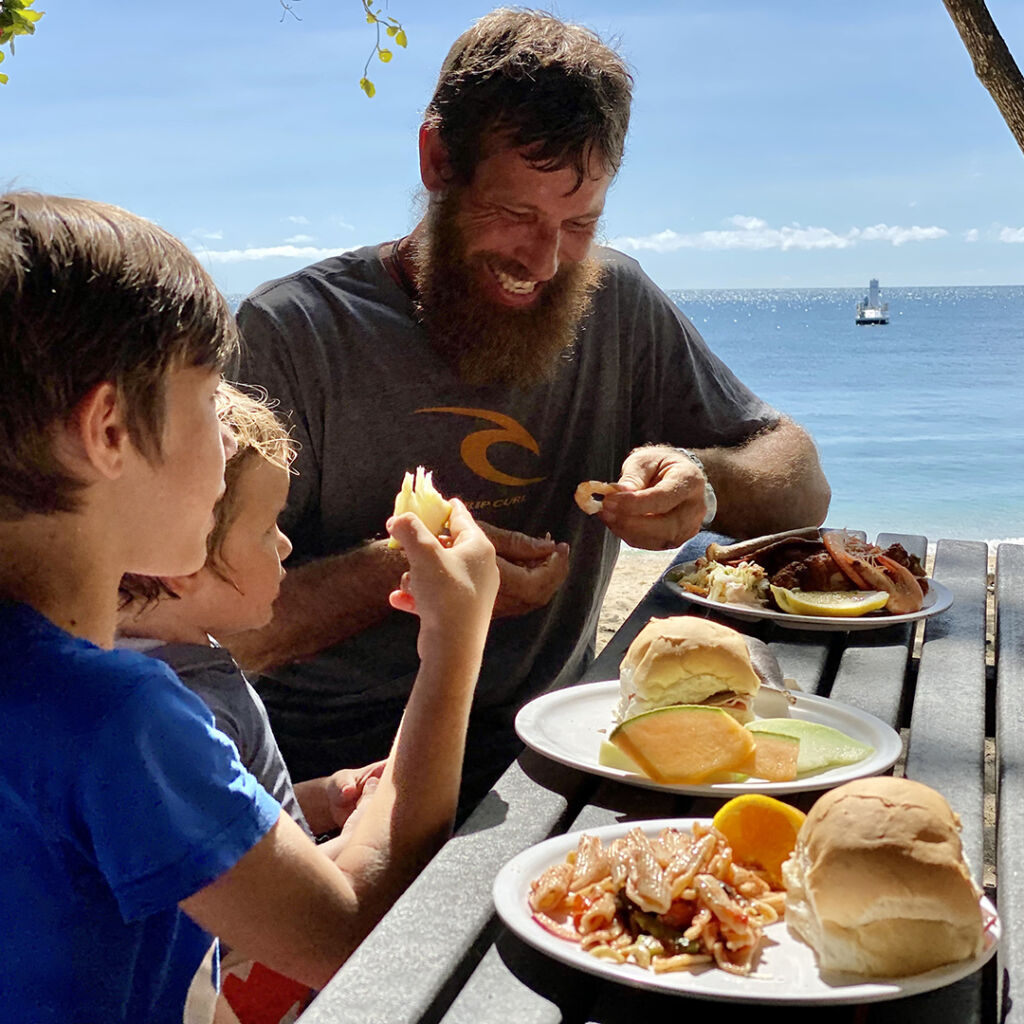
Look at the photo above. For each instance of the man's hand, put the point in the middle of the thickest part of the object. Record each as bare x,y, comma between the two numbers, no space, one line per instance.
531,568
661,504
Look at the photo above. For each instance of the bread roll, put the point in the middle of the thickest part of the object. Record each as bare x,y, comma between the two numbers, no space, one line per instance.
877,884
687,660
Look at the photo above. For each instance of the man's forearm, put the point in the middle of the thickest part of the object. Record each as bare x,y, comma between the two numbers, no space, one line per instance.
321,604
773,482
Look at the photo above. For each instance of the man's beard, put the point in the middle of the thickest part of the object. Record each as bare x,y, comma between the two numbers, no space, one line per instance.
488,343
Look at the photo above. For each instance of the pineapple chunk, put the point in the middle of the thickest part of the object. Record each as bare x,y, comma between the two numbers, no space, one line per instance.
419,495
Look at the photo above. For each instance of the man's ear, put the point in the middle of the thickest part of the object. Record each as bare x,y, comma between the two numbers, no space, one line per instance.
95,435
435,167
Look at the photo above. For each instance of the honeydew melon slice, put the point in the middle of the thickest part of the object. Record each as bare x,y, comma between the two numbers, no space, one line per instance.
611,757
685,744
821,746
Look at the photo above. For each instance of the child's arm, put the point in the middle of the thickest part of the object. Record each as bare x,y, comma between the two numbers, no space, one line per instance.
327,803
285,903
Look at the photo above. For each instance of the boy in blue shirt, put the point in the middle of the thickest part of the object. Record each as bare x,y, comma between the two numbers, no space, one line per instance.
132,834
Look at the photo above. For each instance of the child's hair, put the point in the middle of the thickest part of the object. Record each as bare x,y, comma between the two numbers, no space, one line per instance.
259,434
90,293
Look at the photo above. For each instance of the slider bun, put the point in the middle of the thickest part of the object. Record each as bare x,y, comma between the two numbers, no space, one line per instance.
684,660
877,883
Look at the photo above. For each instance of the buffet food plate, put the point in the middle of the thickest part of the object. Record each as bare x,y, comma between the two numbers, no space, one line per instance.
937,600
568,726
786,971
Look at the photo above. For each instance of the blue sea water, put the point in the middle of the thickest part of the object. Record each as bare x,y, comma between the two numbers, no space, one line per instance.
920,422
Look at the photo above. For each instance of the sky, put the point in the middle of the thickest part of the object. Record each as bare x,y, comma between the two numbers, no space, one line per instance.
773,144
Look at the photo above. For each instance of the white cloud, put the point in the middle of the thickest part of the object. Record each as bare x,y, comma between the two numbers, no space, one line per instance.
1011,235
755,233
270,252
299,239
971,236
212,236
884,233
340,222
297,219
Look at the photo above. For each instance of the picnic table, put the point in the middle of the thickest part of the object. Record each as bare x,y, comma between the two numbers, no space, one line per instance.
442,955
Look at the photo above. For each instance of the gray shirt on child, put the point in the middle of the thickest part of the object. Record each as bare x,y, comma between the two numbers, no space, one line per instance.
212,674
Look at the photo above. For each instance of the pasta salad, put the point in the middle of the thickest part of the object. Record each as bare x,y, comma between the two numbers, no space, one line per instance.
674,902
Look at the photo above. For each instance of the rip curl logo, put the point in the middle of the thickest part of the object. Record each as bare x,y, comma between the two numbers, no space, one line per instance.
474,446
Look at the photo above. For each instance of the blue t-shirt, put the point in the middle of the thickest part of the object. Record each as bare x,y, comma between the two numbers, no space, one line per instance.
118,799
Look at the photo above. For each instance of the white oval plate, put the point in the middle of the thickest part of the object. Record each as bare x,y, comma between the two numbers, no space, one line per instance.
568,725
787,971
938,599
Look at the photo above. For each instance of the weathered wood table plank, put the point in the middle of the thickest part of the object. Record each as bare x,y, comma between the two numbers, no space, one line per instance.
1009,665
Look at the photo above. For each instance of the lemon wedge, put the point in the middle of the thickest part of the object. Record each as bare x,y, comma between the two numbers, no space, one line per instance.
844,603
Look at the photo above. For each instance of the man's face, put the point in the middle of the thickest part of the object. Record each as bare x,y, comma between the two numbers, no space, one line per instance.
506,273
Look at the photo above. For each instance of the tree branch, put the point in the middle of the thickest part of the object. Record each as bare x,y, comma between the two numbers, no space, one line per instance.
993,62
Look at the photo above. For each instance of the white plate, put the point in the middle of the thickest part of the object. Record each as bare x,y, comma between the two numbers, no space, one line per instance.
786,972
938,599
568,726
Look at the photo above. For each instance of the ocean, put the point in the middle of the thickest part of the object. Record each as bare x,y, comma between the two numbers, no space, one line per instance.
920,422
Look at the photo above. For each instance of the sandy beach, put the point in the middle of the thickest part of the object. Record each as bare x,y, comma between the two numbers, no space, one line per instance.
634,573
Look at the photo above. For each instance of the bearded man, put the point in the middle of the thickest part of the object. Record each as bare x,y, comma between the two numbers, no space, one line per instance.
496,345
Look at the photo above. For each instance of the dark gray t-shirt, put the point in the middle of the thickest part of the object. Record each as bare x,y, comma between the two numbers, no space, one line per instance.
211,673
338,346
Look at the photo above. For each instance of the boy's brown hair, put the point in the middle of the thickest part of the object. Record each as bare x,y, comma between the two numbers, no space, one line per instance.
90,293
259,434
532,81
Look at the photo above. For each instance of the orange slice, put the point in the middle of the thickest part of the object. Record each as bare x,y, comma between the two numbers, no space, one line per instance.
761,831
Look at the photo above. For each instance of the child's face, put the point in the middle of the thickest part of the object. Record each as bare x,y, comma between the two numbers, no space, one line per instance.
173,513
251,553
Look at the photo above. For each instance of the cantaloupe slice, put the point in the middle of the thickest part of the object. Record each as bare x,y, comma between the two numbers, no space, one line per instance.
686,743
776,756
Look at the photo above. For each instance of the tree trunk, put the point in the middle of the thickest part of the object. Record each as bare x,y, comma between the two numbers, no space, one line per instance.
993,62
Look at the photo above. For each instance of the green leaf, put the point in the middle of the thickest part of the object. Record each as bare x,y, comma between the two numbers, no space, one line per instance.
32,15
385,55
400,38
22,26
368,87
371,19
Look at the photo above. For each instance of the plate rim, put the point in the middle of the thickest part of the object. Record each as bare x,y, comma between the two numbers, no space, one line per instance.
812,783
508,892
942,600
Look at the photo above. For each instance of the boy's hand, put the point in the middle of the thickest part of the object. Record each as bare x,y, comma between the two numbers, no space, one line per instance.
345,788
451,587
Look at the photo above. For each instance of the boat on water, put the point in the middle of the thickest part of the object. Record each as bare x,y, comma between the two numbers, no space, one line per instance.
871,309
